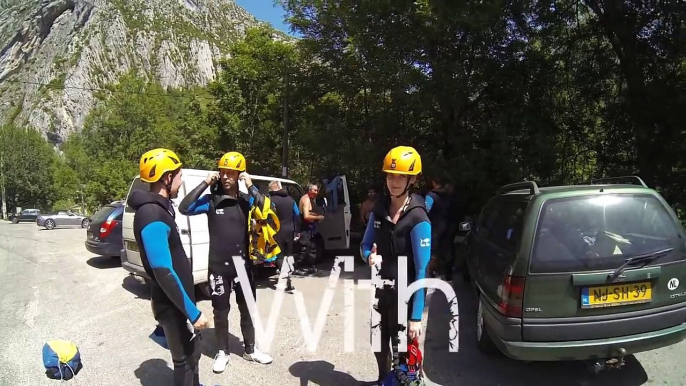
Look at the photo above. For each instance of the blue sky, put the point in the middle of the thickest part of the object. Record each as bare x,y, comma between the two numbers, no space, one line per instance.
266,10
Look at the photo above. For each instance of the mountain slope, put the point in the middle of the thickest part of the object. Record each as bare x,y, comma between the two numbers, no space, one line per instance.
55,56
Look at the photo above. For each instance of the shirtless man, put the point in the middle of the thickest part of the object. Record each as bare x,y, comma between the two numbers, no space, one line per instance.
308,250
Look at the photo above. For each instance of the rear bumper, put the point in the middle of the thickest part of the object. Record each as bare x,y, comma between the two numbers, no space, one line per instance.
102,248
591,349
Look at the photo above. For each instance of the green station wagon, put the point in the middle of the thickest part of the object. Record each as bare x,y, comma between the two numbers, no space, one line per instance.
586,272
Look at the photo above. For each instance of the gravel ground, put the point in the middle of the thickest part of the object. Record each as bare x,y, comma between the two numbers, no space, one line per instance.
52,288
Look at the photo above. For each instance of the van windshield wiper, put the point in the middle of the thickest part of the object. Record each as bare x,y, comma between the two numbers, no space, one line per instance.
643,258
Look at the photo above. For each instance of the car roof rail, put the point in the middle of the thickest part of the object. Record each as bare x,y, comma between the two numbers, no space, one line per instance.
629,180
531,185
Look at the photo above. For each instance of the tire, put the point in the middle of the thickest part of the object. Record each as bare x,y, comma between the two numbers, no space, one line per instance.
15,220
49,224
85,223
483,337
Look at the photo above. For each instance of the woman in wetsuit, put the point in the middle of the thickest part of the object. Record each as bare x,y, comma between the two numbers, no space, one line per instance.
398,226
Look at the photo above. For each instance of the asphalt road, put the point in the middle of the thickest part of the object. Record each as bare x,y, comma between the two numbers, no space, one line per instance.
52,288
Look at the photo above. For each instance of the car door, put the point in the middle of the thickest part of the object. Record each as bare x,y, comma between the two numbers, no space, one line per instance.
25,215
335,228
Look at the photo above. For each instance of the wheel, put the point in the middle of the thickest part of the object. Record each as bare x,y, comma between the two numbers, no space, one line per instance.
49,224
85,223
15,221
483,338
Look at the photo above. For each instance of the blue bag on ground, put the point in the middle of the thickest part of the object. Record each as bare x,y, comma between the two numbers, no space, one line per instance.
61,359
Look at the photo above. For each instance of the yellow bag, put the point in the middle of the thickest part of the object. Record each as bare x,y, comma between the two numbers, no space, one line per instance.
263,224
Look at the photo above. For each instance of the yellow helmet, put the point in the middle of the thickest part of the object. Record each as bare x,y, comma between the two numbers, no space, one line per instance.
156,162
233,161
403,160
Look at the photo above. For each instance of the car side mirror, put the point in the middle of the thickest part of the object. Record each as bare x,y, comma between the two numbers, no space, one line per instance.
465,226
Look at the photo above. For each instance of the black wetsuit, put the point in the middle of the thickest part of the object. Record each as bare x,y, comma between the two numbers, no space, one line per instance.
171,274
410,236
289,217
227,219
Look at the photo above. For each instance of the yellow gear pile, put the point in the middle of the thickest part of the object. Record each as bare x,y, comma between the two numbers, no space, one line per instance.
263,224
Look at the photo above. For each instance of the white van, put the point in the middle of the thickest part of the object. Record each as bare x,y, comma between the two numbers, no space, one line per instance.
333,231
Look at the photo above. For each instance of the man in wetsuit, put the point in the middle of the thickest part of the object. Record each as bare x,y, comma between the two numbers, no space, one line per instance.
289,217
165,262
308,249
227,217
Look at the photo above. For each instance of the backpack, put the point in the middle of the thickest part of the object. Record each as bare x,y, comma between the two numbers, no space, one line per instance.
61,359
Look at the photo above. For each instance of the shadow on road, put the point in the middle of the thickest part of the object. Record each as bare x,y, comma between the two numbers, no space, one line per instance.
320,373
154,372
104,262
208,344
131,284
470,367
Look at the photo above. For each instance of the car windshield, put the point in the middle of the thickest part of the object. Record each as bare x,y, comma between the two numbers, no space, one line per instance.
601,232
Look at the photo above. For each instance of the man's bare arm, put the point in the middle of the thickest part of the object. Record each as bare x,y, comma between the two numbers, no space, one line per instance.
306,209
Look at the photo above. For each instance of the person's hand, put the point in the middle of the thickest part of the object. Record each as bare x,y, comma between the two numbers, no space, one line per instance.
321,217
415,330
296,236
246,178
202,323
373,257
212,178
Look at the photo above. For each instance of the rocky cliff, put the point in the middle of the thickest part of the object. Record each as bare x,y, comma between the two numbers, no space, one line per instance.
55,56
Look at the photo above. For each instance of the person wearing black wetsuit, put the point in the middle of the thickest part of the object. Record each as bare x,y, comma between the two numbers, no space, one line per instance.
165,262
227,216
438,202
307,258
289,217
398,226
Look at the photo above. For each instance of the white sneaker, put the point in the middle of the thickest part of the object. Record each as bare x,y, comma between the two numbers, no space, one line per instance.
221,360
258,357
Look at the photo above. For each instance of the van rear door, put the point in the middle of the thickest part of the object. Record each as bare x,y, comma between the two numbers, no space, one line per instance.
335,228
574,290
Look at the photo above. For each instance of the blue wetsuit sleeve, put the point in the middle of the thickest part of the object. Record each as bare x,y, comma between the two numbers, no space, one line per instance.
421,248
155,237
296,217
429,202
193,204
368,239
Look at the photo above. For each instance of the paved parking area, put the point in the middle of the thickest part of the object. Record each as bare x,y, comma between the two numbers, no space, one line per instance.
52,288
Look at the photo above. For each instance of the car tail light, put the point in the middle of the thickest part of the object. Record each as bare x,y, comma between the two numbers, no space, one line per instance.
107,227
512,296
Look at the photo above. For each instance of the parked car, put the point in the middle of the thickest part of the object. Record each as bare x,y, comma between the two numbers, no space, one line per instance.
104,233
63,218
587,272
26,215
334,230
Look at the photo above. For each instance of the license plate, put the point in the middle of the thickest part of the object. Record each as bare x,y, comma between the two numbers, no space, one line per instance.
616,295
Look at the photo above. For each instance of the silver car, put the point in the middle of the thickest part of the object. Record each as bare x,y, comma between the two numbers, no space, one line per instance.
63,218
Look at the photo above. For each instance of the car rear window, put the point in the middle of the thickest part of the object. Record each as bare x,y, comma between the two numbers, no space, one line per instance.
103,213
601,232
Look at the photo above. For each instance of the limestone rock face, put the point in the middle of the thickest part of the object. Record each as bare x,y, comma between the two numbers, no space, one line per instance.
55,55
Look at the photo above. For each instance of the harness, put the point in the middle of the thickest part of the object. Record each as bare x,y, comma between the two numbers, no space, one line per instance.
263,224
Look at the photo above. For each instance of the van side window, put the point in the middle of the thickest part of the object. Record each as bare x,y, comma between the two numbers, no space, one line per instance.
507,225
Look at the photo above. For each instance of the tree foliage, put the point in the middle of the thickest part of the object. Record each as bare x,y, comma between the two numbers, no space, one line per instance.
488,92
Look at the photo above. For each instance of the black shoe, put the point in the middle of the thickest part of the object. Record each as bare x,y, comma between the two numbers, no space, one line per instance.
289,286
312,271
300,272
